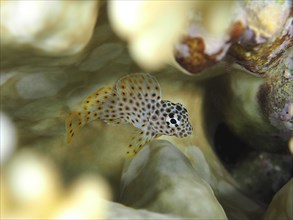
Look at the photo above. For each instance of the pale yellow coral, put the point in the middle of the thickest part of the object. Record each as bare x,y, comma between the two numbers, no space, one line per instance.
152,28
31,187
85,200
267,18
54,27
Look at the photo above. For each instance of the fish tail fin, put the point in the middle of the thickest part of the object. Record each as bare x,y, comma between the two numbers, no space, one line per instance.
92,108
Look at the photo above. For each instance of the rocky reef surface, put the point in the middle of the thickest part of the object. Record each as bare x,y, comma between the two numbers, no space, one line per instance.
238,91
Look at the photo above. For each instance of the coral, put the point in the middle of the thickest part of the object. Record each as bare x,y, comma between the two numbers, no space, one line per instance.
276,97
43,30
32,187
202,46
261,58
266,18
173,179
255,41
281,205
148,44
53,59
8,137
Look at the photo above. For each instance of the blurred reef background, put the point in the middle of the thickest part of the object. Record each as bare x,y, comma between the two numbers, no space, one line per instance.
229,62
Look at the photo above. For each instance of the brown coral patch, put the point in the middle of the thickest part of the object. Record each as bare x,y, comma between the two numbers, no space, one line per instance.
236,31
196,60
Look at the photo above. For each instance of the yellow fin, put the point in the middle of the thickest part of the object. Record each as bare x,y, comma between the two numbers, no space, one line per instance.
92,106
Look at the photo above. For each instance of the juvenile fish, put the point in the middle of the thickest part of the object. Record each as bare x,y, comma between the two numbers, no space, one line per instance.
134,99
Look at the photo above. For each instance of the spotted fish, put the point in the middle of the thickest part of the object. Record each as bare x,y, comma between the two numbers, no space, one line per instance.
134,99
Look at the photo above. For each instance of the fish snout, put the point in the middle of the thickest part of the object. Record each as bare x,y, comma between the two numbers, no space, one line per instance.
189,129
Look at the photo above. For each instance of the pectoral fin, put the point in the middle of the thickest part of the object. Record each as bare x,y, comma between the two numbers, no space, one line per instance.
139,139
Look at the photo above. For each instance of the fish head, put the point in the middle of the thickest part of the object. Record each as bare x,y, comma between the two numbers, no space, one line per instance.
173,120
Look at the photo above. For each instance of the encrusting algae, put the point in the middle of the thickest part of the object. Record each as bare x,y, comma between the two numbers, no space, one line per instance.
134,99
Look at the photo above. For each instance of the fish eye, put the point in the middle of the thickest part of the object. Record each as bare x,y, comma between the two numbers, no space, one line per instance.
173,121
